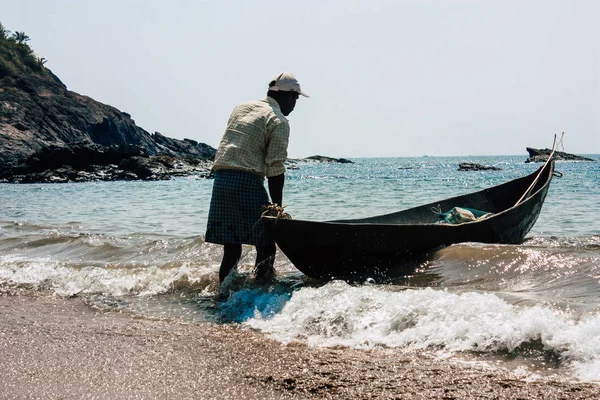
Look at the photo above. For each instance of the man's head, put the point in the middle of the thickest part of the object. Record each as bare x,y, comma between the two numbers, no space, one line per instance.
285,89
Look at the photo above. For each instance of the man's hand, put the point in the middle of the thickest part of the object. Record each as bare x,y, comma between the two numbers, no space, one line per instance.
276,188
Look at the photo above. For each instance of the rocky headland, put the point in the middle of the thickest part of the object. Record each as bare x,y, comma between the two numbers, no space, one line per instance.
541,155
51,134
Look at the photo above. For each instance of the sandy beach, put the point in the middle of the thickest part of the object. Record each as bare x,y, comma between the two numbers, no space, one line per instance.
60,348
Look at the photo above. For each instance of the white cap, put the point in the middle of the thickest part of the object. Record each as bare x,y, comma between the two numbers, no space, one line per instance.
286,82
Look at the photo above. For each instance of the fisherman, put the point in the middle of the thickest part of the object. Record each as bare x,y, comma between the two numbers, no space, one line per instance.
253,147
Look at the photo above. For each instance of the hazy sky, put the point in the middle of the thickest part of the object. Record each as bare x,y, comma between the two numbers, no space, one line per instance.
386,78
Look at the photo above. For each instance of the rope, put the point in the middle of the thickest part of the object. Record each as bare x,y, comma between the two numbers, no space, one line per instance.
554,146
271,210
275,210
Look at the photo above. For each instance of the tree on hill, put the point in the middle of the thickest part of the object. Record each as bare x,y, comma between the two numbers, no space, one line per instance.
20,37
3,32
17,57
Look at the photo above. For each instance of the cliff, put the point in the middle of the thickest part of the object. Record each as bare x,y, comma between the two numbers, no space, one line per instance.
51,134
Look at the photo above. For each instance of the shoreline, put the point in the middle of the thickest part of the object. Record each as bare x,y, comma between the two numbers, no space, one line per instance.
54,347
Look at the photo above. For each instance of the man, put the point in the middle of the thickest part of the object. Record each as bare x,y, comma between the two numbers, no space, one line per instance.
253,147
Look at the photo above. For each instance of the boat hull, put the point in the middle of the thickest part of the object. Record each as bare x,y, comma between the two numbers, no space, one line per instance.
386,246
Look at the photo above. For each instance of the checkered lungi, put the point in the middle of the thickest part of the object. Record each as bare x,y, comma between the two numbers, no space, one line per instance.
235,208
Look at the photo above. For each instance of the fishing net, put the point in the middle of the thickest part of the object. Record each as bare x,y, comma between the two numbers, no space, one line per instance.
459,215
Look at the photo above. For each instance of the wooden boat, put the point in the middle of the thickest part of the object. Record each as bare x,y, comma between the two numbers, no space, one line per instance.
381,246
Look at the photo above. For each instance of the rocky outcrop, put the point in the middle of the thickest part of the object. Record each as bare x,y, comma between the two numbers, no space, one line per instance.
537,155
45,127
325,159
476,167
292,163
128,169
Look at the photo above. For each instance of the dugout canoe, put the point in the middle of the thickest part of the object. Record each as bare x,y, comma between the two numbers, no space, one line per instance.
382,246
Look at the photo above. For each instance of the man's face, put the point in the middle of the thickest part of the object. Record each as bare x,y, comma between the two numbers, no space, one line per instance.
288,103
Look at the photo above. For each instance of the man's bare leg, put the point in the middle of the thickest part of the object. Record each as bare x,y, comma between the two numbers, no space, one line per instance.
265,259
232,252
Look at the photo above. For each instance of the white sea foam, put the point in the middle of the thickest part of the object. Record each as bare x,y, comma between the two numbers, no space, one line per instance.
50,274
367,316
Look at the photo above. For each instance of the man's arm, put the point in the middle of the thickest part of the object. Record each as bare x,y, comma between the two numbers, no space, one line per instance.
276,188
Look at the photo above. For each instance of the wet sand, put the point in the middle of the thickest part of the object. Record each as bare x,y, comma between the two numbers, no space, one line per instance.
58,348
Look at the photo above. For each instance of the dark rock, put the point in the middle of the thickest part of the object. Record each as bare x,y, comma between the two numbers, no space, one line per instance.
321,159
144,168
78,156
476,167
130,169
182,148
163,167
329,159
541,155
21,126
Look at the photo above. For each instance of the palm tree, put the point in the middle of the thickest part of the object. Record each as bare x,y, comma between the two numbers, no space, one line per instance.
3,31
20,37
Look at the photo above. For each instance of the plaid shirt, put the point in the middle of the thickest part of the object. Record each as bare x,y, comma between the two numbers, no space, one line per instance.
255,140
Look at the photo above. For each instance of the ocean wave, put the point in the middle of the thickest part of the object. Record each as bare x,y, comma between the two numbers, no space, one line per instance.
368,317
522,274
591,242
115,279
63,244
68,263
80,263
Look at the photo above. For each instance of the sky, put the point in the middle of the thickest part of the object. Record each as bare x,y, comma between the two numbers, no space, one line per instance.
386,78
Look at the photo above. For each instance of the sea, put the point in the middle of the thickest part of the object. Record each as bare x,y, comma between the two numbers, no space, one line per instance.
138,247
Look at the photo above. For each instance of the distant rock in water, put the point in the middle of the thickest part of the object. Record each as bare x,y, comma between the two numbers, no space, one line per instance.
320,159
292,163
329,159
476,167
51,134
537,155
